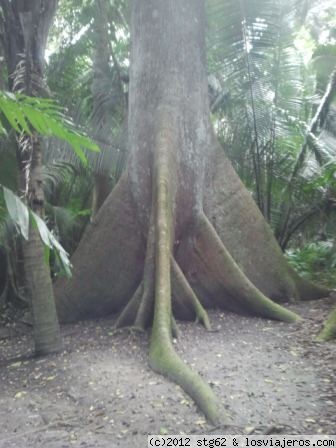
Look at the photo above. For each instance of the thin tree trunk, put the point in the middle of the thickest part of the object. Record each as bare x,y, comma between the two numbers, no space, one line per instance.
27,25
47,336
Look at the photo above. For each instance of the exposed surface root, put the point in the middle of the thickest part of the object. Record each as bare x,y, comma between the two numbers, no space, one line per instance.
230,277
145,311
128,314
163,358
174,328
139,310
184,290
329,329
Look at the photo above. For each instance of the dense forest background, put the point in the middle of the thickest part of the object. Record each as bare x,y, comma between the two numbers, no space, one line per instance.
272,79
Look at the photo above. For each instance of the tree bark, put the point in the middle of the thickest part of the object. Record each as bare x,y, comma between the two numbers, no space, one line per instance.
47,336
101,189
179,233
3,276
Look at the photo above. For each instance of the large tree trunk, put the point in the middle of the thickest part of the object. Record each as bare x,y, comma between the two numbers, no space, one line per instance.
27,25
179,233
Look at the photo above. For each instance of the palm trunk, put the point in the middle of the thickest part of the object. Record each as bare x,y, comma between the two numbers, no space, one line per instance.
25,46
47,335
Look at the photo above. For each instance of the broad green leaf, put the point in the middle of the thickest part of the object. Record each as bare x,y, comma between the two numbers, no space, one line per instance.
18,211
65,262
50,241
43,229
11,117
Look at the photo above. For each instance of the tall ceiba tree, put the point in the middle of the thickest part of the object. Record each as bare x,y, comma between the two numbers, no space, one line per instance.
26,25
179,233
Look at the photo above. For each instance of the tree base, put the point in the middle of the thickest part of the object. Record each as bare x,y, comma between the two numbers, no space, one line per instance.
153,274
163,291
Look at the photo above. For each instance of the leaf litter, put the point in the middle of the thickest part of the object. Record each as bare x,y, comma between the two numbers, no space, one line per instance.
100,392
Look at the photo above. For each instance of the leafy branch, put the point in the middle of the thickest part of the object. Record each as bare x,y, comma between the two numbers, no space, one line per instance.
43,115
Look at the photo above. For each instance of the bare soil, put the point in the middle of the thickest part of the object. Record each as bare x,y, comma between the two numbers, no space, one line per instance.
270,377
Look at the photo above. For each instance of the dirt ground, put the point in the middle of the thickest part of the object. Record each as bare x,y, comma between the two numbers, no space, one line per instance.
270,377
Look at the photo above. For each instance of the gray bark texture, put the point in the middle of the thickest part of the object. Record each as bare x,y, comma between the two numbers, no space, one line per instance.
179,233
168,101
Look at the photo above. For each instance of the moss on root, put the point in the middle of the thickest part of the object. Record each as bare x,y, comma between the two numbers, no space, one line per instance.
225,270
164,360
329,329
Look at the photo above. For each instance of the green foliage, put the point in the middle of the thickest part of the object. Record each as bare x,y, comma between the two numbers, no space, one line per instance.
25,114
88,72
259,67
68,201
51,242
267,83
316,261
22,216
323,182
18,211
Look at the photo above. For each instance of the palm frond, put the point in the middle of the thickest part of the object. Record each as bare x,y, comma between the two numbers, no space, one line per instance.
44,116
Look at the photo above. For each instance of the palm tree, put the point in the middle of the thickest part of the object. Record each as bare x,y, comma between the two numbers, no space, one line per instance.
26,31
263,99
